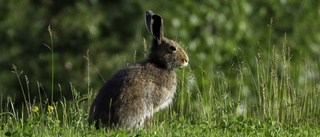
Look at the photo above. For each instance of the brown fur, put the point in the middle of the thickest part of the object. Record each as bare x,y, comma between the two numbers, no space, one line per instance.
134,93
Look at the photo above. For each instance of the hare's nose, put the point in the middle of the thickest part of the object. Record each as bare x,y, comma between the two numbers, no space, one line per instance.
185,63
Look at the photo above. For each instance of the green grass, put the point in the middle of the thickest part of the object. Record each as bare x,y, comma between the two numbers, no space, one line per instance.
277,97
47,125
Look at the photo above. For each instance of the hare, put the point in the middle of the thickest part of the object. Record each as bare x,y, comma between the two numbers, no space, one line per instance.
134,93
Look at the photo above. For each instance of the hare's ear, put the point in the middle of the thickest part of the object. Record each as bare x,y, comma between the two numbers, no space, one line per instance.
148,19
154,25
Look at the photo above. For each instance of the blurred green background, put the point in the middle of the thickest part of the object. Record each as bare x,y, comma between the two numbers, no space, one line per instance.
212,32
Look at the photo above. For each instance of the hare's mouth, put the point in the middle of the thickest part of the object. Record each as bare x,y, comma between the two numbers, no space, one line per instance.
184,65
177,64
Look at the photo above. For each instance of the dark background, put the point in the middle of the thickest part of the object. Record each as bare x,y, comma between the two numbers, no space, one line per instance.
212,32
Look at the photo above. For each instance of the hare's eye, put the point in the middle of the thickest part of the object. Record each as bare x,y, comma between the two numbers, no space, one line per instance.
172,48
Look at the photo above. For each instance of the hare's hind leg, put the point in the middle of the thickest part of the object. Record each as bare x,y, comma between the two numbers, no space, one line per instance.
132,122
131,119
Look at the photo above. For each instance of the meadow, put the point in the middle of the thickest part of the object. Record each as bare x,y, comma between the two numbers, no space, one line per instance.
285,102
253,71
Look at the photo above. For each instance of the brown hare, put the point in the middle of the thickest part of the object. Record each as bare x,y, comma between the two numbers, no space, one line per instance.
134,93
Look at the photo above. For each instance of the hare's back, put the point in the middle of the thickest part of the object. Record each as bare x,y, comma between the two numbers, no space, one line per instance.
120,82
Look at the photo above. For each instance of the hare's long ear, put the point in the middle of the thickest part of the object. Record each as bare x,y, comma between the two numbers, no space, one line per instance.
148,19
154,25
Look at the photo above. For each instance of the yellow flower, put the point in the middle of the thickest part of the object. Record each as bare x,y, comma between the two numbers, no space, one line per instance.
35,109
50,109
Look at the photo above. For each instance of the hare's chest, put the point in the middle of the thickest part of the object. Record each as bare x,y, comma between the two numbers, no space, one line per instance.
160,88
166,98
166,94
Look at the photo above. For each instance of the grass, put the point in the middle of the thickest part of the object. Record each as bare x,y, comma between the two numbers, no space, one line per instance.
277,97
